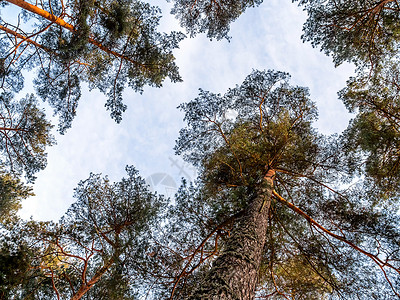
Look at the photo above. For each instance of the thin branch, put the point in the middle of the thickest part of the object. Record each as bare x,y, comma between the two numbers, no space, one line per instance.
374,258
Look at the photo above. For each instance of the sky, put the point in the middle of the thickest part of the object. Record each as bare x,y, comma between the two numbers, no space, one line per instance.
265,37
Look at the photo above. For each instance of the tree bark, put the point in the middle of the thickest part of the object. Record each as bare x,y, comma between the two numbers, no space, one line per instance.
37,10
234,274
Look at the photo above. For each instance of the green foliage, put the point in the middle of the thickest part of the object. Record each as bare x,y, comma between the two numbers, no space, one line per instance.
298,260
72,46
297,277
116,19
114,44
13,266
320,243
212,17
359,31
372,139
20,275
24,135
12,191
272,130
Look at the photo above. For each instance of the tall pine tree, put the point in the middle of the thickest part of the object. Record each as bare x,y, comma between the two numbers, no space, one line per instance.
266,217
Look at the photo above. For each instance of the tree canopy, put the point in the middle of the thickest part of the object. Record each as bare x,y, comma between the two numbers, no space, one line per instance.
279,210
372,138
363,32
212,17
106,44
268,216
98,250
12,192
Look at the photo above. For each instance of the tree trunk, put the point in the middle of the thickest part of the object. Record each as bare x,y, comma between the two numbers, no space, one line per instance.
234,274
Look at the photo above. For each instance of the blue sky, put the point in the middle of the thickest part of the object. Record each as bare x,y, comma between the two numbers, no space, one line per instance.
267,37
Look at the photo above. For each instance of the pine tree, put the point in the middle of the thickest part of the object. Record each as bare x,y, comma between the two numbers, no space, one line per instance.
266,216
107,44
15,262
359,31
98,250
12,192
372,139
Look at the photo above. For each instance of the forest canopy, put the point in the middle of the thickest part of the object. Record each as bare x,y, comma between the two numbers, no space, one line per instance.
278,210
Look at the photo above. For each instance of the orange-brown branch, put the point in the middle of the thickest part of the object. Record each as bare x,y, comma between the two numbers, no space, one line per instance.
37,10
62,23
12,129
24,38
375,258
